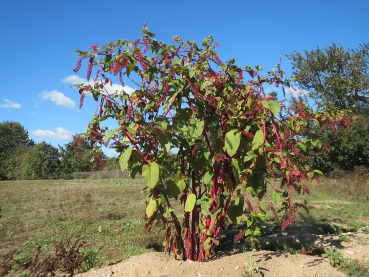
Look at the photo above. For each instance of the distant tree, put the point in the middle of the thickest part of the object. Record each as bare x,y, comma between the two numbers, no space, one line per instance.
76,155
41,162
112,163
334,76
347,148
12,135
13,164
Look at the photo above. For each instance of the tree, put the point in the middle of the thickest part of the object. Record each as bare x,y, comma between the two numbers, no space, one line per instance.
333,76
41,162
226,132
75,156
13,164
12,135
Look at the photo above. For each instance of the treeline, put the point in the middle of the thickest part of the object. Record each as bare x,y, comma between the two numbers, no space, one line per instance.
22,158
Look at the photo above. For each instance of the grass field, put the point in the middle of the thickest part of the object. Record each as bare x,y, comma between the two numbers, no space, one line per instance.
108,217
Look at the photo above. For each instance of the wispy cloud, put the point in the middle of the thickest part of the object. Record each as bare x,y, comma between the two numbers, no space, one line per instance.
59,134
111,89
59,98
74,79
295,92
10,104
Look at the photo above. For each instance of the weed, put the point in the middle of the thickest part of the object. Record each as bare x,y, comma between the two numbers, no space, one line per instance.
334,257
366,230
328,229
344,238
253,268
355,269
66,260
90,259
354,226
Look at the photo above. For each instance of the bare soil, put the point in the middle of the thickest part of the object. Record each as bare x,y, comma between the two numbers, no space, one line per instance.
236,262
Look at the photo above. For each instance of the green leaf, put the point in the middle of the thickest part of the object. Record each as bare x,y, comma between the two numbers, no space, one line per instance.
271,105
111,133
318,172
202,85
207,243
258,140
124,158
196,127
302,146
151,174
207,178
250,156
151,208
130,67
190,202
192,73
276,197
174,188
235,211
232,142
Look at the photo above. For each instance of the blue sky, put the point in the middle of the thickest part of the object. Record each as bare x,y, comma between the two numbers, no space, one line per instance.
38,39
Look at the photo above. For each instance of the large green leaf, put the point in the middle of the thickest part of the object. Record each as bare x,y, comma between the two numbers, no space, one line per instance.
235,211
258,140
111,133
190,202
151,174
302,146
271,105
196,127
173,188
151,208
124,158
232,142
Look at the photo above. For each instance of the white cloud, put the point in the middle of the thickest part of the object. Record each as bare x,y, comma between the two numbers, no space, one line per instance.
59,134
10,104
295,92
111,89
59,98
74,79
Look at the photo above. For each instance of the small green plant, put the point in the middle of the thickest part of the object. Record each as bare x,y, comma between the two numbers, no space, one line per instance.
90,259
328,229
354,226
253,268
334,257
344,238
366,231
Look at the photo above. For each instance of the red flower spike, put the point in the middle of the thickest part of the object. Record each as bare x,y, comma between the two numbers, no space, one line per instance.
78,66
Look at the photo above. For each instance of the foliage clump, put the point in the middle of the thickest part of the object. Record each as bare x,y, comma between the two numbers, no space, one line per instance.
203,132
336,78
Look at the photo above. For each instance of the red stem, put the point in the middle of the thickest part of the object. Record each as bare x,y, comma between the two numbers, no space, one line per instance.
137,149
208,142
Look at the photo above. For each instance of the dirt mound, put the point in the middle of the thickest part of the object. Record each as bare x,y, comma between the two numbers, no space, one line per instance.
237,264
270,263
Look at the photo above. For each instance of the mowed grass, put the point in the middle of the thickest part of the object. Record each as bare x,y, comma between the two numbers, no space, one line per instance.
108,216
